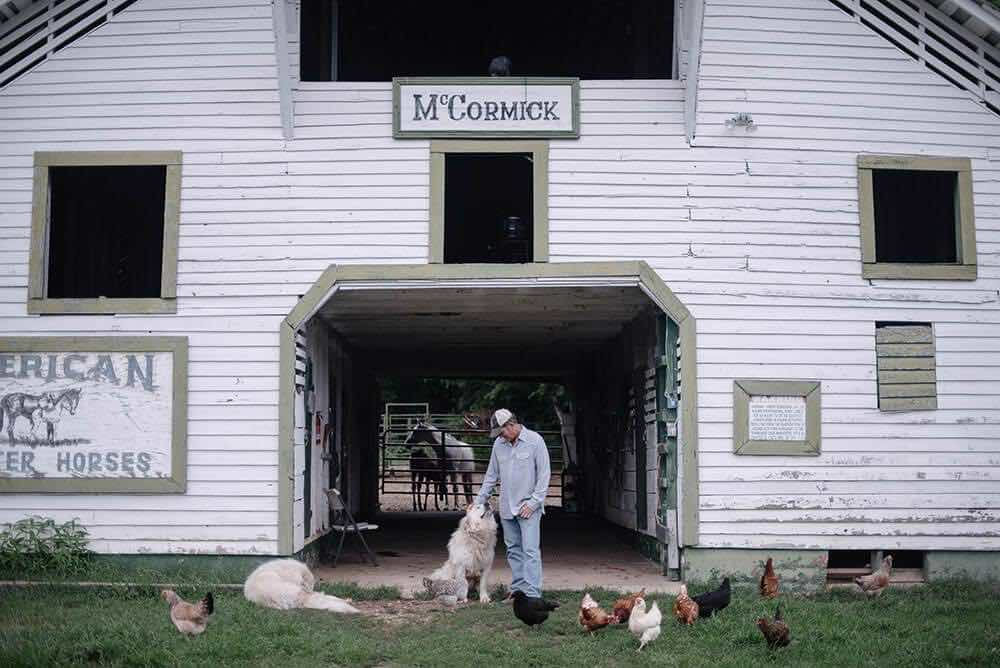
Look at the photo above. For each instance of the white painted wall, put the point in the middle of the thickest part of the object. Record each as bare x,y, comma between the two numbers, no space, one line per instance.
757,233
783,200
196,76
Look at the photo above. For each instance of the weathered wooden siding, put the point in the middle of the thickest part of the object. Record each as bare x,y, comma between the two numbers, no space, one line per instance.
756,232
196,76
773,276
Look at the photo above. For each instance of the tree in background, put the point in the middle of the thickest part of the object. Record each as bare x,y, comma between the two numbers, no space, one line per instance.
531,401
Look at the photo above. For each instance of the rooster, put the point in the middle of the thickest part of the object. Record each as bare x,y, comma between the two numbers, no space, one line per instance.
189,618
777,632
644,625
874,584
711,602
685,609
592,617
769,581
623,606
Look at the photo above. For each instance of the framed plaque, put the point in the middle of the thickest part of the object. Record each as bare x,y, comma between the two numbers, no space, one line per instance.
776,417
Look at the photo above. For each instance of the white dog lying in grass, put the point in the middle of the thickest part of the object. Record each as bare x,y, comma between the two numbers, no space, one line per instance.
286,583
470,551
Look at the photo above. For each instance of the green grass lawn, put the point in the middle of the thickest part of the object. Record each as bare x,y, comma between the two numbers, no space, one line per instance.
939,625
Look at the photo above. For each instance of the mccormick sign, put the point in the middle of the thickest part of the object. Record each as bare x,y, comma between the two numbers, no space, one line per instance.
485,107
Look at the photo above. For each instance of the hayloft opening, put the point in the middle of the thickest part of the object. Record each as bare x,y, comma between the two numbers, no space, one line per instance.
916,215
488,208
105,234
376,40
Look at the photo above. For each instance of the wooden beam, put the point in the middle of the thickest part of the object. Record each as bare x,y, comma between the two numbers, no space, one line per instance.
279,17
696,20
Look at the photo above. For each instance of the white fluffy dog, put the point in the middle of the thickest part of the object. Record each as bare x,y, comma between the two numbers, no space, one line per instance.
285,583
470,550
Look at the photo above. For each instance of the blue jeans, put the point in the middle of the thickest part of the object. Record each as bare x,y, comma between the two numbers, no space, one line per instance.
524,553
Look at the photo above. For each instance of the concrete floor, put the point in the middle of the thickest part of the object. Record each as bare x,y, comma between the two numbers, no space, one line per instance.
577,553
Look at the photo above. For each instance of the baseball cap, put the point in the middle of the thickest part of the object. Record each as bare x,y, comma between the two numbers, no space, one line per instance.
499,419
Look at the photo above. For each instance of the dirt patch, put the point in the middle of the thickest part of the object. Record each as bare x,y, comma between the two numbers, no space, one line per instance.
404,611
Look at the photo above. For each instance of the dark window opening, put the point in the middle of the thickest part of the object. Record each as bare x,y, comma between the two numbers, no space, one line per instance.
377,40
316,40
853,559
488,207
906,558
105,232
916,216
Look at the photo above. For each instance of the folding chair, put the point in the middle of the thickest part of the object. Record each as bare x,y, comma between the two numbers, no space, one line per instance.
343,522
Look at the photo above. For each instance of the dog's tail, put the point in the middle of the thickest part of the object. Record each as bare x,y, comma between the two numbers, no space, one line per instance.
320,601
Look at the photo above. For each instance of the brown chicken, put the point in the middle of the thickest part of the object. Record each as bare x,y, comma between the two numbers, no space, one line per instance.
777,632
189,618
685,609
592,617
769,581
874,584
623,606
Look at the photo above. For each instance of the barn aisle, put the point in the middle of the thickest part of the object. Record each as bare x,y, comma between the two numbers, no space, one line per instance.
578,552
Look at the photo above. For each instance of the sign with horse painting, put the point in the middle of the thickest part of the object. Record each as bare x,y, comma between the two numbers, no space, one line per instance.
93,414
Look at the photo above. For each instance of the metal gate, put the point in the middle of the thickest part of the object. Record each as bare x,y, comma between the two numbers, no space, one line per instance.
402,468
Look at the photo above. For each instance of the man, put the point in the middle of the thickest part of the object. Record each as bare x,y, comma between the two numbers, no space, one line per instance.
520,461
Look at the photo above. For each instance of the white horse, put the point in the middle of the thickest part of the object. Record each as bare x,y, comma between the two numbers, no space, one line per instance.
458,458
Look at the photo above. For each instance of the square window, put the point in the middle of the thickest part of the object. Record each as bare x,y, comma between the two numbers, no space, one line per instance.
916,217
489,201
487,208
104,232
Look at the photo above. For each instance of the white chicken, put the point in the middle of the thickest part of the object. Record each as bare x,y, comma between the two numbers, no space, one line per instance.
644,625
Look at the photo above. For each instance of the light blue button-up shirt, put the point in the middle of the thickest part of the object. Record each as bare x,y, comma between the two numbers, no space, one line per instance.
523,471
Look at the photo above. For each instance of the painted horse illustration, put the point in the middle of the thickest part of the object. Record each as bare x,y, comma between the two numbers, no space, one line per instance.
64,403
48,407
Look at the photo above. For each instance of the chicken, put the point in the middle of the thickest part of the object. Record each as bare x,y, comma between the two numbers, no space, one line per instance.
769,581
711,602
776,633
189,618
531,610
873,585
685,609
623,606
592,617
449,592
644,625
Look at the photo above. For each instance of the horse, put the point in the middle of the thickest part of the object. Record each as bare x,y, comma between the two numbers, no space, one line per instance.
457,457
425,469
20,404
66,402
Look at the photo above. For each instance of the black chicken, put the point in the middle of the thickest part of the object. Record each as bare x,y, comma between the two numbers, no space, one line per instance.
711,602
532,610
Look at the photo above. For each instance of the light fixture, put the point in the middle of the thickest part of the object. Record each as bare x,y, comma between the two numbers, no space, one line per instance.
741,120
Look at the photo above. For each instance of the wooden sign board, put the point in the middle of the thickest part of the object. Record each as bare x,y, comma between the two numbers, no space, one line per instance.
93,414
485,107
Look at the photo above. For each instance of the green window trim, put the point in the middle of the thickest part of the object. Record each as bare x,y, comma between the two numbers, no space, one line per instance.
810,390
965,268
38,303
177,482
539,150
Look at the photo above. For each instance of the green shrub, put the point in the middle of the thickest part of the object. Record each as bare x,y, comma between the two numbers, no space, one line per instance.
39,545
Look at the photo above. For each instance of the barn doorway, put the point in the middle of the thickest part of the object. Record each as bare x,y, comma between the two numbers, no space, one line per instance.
596,329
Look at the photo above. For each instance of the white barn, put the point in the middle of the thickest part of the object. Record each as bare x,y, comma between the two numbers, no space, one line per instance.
709,234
